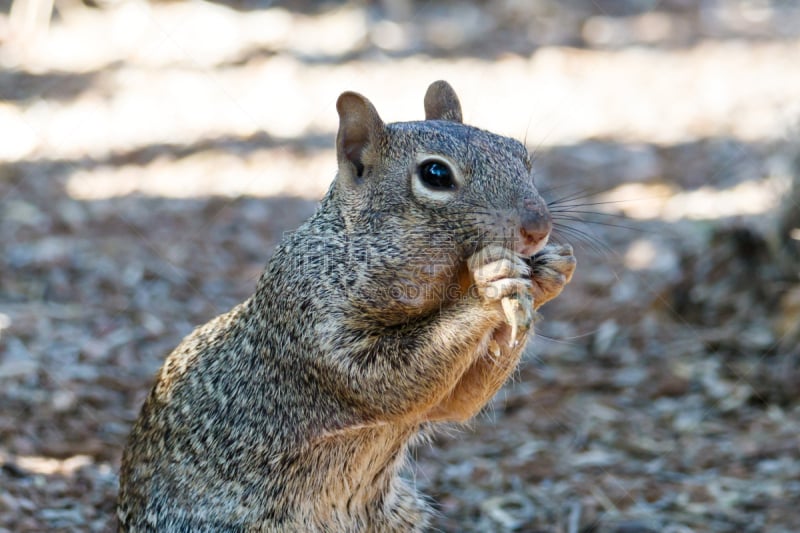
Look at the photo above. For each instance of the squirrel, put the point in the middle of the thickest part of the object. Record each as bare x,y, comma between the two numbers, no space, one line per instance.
404,301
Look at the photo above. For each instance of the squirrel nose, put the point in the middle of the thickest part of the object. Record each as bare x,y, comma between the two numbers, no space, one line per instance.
535,226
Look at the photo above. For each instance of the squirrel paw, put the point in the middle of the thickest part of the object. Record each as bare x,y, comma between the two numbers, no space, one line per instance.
500,275
552,269
498,272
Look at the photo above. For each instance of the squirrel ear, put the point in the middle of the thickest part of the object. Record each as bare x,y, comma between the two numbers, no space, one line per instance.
441,103
359,127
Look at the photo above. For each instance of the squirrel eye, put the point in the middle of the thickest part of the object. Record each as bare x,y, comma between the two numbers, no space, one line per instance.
437,175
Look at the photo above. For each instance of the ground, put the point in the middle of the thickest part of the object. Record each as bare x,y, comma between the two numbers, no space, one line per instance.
154,153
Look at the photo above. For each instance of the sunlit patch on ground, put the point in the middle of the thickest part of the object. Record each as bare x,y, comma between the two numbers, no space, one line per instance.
660,201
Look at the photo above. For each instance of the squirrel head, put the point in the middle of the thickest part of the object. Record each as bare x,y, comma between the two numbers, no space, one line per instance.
444,179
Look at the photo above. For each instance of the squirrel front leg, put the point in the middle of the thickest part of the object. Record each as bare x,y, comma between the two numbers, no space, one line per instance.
501,278
410,372
551,269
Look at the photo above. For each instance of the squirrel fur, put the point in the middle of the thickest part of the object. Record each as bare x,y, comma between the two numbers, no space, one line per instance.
381,315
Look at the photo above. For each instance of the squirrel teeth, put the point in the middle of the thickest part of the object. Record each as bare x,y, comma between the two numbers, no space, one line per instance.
517,309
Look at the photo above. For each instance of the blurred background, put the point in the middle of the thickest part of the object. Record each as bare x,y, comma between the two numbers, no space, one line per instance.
152,154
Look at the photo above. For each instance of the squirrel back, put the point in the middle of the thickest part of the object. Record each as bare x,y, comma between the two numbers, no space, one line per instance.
403,301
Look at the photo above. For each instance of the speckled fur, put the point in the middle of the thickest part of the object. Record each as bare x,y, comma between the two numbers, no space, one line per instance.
294,411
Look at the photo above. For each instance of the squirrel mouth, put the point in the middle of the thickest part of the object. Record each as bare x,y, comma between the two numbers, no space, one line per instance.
528,249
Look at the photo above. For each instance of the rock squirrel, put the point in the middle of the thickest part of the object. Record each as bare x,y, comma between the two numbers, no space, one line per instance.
403,301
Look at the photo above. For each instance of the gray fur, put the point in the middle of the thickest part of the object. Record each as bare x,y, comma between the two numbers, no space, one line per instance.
294,411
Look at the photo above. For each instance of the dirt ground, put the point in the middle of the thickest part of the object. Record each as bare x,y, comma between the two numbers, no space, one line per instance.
152,155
